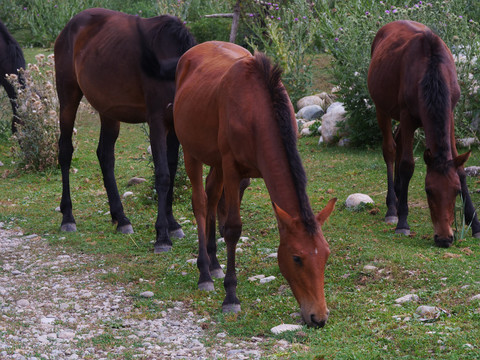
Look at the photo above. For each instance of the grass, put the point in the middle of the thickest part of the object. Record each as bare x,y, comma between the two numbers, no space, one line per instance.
365,322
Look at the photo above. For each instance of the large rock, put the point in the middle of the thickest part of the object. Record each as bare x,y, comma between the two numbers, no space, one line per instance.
309,100
357,199
310,112
330,122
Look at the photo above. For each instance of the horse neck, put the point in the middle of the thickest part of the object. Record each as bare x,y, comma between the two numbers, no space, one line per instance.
438,140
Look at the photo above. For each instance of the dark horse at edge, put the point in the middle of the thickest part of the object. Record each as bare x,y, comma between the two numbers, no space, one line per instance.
412,78
11,60
125,67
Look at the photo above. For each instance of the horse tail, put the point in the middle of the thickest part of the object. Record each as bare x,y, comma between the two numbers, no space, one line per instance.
434,87
281,106
170,26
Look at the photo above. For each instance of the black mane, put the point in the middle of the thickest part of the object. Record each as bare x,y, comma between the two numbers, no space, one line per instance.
283,116
167,26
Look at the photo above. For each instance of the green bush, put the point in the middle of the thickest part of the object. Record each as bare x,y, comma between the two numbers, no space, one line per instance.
348,31
206,29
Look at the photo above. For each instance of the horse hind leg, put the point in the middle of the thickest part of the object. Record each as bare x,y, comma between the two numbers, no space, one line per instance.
174,228
214,187
105,153
194,171
389,151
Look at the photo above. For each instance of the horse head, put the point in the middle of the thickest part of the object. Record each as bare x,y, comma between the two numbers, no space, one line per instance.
302,257
442,185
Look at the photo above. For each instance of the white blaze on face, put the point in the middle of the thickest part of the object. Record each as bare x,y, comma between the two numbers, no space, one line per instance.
316,251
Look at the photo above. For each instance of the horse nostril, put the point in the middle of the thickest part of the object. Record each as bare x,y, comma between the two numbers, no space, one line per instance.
316,323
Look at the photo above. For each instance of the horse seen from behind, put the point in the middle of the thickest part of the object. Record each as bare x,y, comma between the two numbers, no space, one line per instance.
215,122
412,79
11,60
125,67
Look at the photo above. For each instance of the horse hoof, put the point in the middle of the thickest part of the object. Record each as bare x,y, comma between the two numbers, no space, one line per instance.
125,229
402,231
69,227
206,286
477,235
217,273
392,220
178,234
158,249
231,308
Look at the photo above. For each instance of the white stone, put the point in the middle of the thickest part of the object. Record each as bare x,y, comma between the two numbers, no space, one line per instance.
476,297
309,100
407,298
355,200
256,277
472,170
47,320
285,327
428,311
66,334
267,279
127,194
192,261
369,268
147,294
23,302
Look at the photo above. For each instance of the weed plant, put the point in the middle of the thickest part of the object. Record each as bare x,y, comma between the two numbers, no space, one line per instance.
35,146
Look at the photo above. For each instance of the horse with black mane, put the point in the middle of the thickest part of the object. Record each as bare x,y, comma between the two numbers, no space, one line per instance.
125,66
217,83
11,60
412,78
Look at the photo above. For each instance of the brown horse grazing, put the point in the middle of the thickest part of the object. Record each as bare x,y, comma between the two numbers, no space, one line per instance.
125,66
232,113
412,79
11,60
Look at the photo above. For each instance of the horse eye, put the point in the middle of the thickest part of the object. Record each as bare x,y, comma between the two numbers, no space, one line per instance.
297,260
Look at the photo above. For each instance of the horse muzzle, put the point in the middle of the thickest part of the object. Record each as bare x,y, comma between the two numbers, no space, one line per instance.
314,320
442,241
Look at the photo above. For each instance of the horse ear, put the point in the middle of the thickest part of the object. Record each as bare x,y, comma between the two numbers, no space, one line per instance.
428,157
323,215
461,159
285,221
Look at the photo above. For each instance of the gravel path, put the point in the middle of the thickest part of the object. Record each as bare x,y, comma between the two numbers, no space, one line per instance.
54,306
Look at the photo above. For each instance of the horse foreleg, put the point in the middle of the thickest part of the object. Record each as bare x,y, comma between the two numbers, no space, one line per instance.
222,212
106,157
405,166
388,147
214,187
174,228
194,170
158,142
470,213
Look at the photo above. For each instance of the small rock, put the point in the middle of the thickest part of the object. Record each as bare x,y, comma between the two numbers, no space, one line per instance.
476,297
135,181
1,163
47,320
23,302
472,170
127,194
192,261
428,312
267,279
357,199
369,268
66,334
466,142
309,100
147,294
285,327
256,277
407,298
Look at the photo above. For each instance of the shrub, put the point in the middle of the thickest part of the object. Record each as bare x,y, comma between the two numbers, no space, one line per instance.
348,31
35,146
284,32
211,29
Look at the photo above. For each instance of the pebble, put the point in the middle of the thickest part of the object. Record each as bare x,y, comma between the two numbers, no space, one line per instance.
370,268
147,294
407,298
285,327
267,279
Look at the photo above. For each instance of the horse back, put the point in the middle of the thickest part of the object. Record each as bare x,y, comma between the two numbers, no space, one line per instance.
401,55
